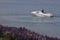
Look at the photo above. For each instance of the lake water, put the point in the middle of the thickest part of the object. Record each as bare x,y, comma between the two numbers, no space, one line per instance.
18,13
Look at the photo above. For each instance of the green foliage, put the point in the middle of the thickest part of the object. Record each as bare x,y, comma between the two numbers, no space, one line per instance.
7,38
1,34
4,38
12,38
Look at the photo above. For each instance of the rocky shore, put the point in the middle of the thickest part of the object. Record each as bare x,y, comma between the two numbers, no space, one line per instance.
13,33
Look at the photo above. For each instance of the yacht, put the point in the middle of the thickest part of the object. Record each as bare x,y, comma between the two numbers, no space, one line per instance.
42,14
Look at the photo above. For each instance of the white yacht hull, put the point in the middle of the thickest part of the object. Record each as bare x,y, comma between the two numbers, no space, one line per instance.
40,14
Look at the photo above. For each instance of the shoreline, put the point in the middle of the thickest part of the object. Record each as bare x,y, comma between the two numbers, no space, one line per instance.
22,33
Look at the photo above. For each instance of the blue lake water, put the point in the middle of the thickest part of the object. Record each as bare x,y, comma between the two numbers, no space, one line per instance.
18,13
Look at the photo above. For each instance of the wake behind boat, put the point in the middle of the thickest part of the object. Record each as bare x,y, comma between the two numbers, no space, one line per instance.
42,14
